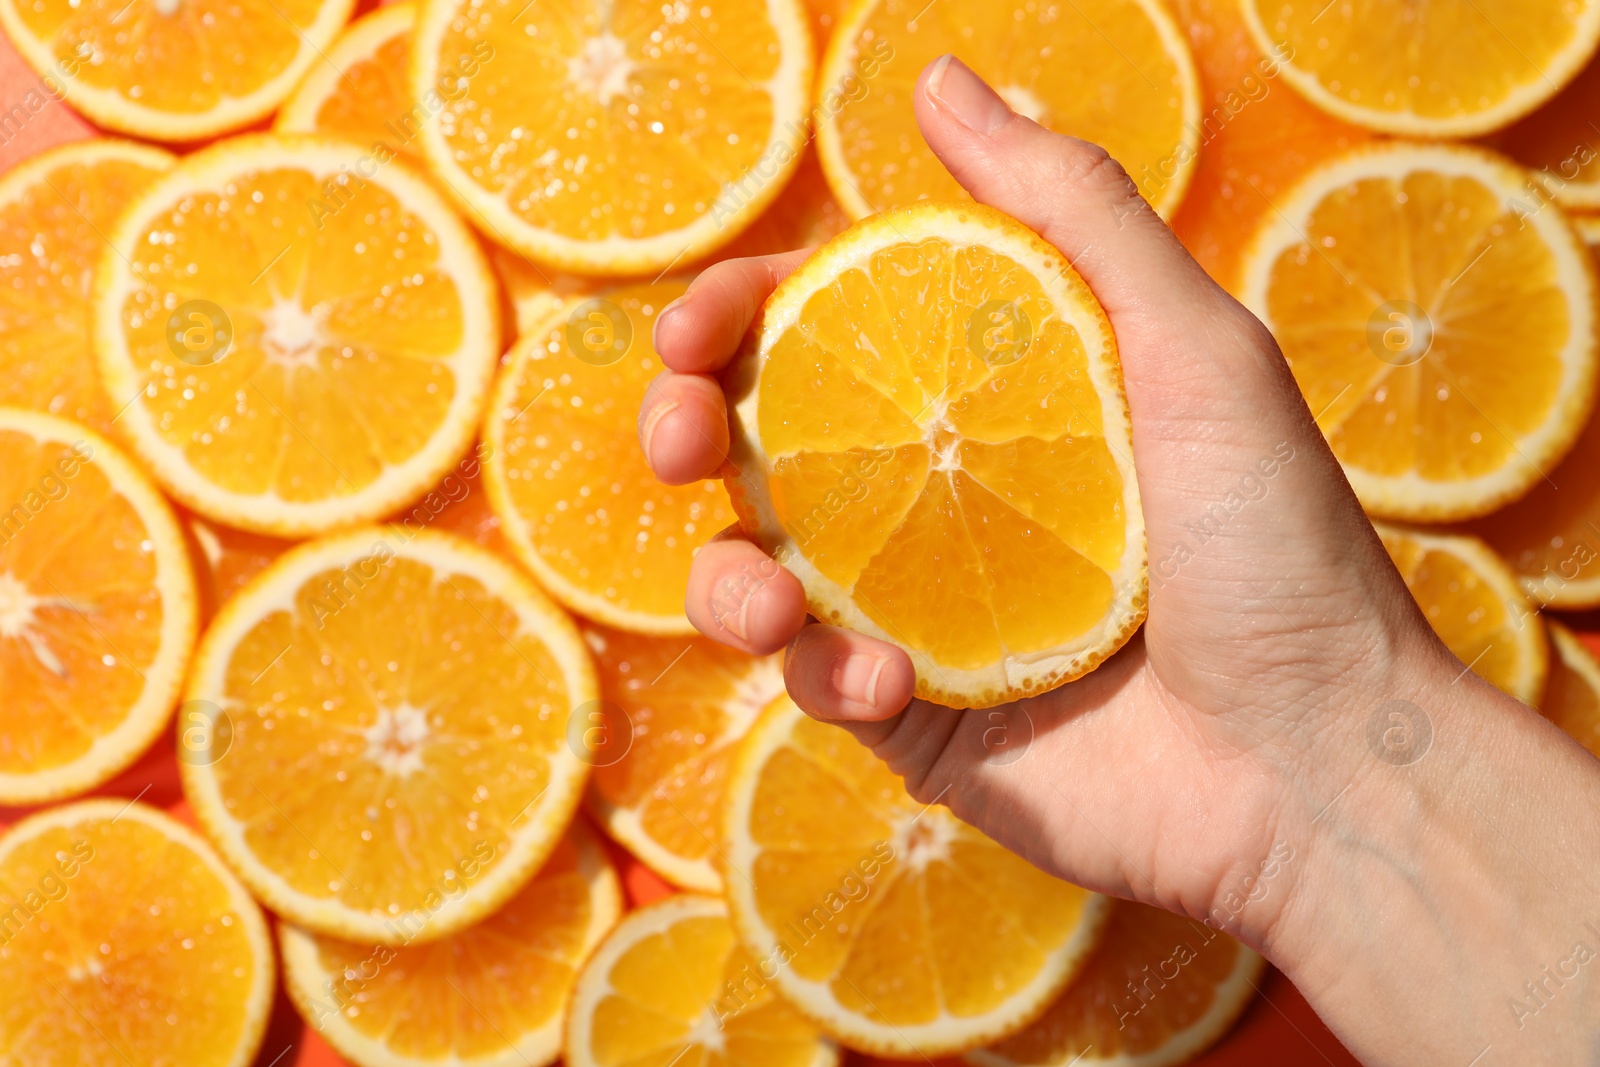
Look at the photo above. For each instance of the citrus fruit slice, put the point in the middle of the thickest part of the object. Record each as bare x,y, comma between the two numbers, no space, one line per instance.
1557,143
97,609
53,210
579,504
662,989
1572,693
173,70
1473,602
127,941
896,926
493,995
1130,87
937,393
1440,70
359,91
383,753
1157,991
302,332
613,138
1393,279
672,713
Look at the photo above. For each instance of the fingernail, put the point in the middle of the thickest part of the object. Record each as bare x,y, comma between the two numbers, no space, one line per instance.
667,312
856,677
652,422
976,106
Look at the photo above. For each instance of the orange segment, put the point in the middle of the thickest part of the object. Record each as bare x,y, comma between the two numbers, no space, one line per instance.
580,505
1158,990
97,609
54,210
172,70
901,929
613,138
1441,70
905,390
1473,602
671,985
303,338
1130,87
1572,693
493,995
671,714
127,941
1394,279
386,756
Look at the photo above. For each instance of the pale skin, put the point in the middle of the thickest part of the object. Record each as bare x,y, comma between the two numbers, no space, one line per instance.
1423,895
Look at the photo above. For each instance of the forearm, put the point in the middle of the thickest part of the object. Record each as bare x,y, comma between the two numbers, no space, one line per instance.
1445,907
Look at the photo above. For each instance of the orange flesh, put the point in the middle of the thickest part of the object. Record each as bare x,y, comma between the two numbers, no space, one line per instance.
1570,698
905,465
372,104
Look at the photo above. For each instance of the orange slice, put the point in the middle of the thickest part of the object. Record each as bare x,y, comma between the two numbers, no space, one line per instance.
127,941
899,928
1159,990
672,712
1438,70
613,138
936,392
1394,279
54,209
302,333
172,70
671,985
359,91
1130,87
385,756
1557,143
493,995
579,504
1572,694
1473,602
97,609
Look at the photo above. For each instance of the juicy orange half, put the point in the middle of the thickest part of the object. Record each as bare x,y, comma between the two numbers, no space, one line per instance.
493,995
172,70
380,742
301,330
671,985
930,432
97,609
1572,694
900,929
1396,279
125,940
616,137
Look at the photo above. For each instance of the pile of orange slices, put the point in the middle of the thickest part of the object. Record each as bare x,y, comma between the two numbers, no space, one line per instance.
319,372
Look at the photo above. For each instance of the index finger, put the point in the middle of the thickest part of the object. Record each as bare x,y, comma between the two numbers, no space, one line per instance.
699,332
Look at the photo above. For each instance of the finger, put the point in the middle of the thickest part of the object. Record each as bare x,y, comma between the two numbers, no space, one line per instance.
841,676
739,596
683,427
701,330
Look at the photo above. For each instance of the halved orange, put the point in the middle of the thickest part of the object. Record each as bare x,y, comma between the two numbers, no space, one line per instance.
671,985
929,430
1394,279
383,755
302,332
617,137
126,941
1433,70
171,70
97,609
900,929
579,504
359,90
1128,86
1159,990
1572,693
54,209
494,995
1473,602
672,713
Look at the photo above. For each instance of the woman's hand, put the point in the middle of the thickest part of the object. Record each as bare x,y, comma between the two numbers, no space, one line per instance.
1220,765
